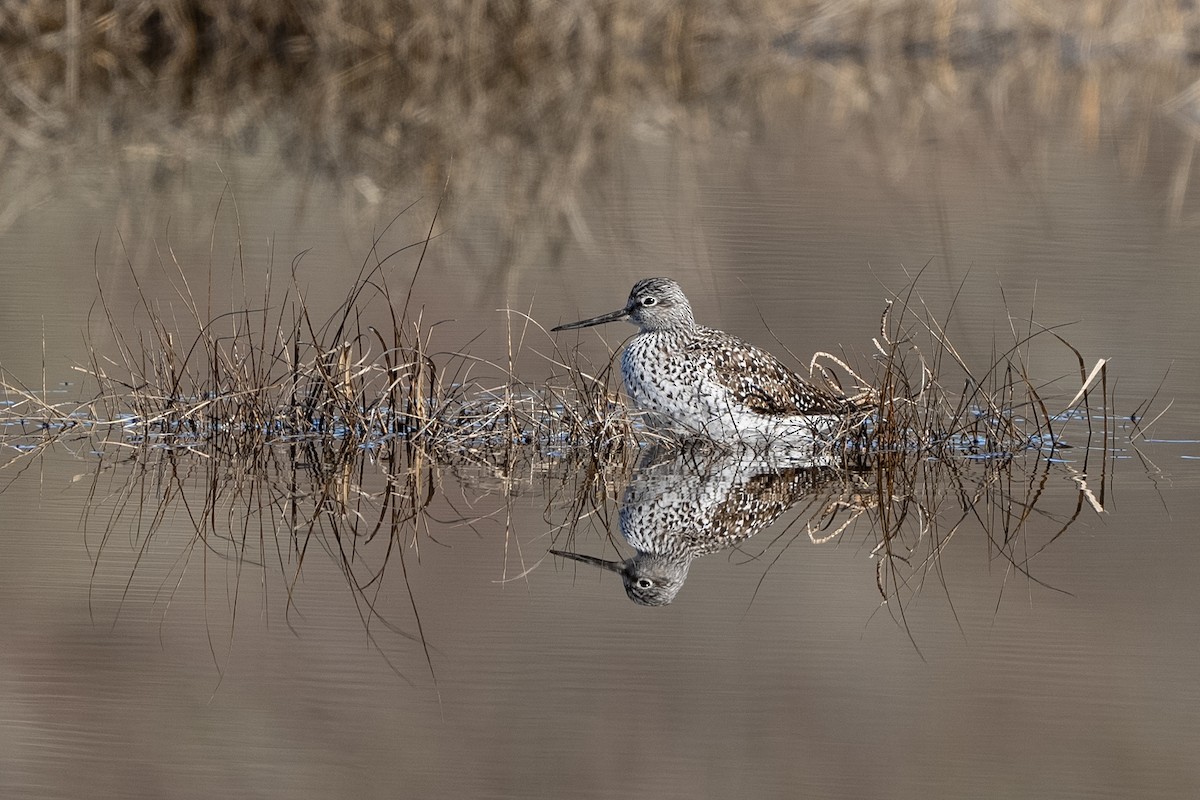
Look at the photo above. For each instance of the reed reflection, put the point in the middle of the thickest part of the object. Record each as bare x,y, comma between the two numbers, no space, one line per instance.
268,515
340,439
900,508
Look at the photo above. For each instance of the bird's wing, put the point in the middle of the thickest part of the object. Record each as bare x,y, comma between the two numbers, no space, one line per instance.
761,381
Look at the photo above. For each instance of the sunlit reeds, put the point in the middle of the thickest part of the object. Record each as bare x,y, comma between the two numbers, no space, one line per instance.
280,434
272,374
268,373
276,431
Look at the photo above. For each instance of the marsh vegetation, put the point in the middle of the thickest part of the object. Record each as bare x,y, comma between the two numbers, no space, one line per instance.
282,435
384,100
301,444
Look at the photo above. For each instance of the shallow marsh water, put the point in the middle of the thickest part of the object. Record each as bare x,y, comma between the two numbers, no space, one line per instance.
141,666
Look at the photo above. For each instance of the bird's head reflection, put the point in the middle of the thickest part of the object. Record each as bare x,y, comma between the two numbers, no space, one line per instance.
651,579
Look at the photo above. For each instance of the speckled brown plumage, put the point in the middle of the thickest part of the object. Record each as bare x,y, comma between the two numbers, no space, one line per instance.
709,382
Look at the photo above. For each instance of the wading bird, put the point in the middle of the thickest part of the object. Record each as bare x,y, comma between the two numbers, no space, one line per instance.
711,383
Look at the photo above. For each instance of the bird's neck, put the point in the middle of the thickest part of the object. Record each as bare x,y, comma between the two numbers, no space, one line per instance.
675,331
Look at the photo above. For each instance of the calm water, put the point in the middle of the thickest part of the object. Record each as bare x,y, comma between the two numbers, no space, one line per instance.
152,666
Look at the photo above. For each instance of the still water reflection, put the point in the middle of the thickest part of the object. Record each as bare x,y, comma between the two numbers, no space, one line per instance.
317,564
900,509
302,622
681,505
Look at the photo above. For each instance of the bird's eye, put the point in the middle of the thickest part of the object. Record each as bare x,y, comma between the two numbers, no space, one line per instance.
649,301
644,583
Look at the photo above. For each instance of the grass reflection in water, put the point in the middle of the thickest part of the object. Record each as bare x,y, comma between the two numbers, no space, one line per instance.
279,437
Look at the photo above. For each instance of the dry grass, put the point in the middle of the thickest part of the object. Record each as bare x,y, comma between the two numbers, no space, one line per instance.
267,373
334,435
278,434
948,447
273,374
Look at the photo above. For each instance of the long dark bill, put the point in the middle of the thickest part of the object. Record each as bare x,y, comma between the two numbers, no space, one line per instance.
615,566
611,316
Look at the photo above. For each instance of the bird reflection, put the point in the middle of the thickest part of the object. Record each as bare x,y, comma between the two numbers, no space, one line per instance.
681,504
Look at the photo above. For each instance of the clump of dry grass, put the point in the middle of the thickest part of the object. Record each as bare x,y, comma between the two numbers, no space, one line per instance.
927,398
277,415
952,445
270,374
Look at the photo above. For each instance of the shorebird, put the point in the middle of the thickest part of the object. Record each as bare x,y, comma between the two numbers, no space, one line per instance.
711,383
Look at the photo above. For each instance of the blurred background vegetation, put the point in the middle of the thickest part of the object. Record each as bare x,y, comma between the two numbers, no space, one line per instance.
378,95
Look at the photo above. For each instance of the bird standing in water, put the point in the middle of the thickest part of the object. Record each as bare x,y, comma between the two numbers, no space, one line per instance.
711,383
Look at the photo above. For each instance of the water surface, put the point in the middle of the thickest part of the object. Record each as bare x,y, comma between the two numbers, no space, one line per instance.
145,664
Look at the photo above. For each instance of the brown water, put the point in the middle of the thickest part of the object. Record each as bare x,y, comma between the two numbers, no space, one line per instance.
132,668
